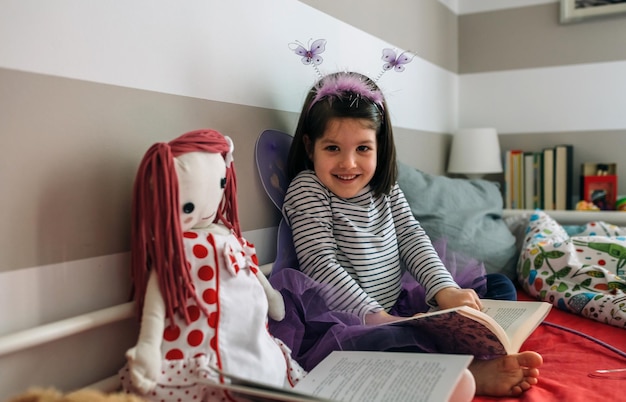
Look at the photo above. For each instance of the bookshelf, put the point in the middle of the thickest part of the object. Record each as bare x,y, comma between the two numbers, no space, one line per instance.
539,179
575,217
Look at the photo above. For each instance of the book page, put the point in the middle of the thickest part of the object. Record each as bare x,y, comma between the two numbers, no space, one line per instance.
256,391
385,376
461,330
518,318
465,330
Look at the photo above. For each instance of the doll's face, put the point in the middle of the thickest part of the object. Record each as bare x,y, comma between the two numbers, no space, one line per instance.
200,177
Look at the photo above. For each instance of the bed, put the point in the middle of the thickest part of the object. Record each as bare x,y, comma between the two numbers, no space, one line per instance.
467,213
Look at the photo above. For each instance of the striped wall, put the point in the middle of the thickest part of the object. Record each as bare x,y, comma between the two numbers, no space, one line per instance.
87,87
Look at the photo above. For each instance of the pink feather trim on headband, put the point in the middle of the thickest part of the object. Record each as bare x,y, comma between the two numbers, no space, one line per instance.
340,85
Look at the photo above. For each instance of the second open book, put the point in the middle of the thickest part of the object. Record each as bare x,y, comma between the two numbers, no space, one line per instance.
500,328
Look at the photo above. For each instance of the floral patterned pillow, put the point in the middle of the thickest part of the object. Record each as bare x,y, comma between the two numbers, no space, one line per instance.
583,274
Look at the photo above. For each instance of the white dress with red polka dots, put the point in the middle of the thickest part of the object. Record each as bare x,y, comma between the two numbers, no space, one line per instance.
233,338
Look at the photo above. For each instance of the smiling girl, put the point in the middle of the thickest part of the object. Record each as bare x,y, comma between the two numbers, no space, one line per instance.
355,235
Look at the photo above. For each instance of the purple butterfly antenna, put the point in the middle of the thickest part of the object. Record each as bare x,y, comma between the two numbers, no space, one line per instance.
310,56
317,70
333,86
394,61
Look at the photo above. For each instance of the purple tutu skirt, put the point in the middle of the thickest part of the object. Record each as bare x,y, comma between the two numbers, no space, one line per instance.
312,330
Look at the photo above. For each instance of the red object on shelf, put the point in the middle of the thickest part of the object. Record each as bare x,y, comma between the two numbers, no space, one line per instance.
600,190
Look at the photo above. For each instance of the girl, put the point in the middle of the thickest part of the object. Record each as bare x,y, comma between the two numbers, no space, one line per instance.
354,236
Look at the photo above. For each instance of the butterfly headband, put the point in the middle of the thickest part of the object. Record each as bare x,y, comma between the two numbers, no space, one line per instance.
340,85
350,85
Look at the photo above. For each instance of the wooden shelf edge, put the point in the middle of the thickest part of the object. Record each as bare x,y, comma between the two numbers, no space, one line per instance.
575,217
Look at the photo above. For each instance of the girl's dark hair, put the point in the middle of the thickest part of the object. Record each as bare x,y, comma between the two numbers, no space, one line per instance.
316,113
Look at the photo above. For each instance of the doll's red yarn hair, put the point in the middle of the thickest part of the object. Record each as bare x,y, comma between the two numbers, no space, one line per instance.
156,235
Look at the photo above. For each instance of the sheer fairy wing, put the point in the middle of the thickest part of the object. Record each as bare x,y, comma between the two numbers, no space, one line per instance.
271,150
285,250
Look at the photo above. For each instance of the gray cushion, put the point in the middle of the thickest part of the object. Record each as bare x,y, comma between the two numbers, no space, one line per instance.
467,213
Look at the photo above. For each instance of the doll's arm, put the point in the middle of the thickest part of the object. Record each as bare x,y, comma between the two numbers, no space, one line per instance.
145,358
274,298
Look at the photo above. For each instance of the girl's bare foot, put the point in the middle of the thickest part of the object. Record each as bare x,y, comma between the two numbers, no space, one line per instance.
507,375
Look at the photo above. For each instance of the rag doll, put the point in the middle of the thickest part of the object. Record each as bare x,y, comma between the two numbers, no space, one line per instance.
201,296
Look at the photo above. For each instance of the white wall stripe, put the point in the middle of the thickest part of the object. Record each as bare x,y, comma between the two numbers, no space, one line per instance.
195,48
567,98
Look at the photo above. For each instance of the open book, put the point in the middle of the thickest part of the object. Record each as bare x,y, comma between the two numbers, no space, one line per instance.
357,376
461,332
500,328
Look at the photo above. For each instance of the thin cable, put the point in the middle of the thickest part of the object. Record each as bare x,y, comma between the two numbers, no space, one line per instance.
589,337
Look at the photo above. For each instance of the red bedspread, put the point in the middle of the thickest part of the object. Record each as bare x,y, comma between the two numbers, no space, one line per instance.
568,358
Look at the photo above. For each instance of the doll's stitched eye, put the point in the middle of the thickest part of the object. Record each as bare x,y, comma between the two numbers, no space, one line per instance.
188,207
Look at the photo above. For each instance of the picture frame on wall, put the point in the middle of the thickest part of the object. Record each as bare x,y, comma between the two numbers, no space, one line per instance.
578,10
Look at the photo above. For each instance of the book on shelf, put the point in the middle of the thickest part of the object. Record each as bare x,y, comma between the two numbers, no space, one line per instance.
529,180
514,198
508,190
499,329
359,376
518,179
563,176
538,179
533,180
548,179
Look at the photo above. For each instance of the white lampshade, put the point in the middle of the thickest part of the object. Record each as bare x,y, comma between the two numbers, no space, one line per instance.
475,152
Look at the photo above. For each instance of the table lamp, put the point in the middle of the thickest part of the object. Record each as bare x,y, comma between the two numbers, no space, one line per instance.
475,152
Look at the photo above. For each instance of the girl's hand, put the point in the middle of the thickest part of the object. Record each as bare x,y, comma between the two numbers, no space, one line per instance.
454,297
381,317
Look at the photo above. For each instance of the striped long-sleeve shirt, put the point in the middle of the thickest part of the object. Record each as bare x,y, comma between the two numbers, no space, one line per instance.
357,245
